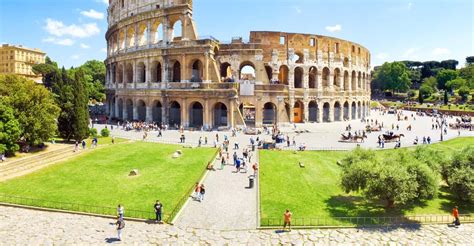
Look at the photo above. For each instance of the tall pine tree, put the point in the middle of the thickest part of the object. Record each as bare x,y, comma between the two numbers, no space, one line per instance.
80,120
65,98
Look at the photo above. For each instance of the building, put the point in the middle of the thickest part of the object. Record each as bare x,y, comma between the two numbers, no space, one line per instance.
158,69
16,59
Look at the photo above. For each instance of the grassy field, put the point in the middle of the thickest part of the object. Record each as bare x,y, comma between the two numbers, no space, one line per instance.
314,191
101,178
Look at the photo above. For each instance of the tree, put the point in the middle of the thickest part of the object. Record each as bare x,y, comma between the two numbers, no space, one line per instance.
431,82
455,84
397,179
464,92
459,173
9,129
470,60
33,106
394,77
426,91
446,97
467,73
94,72
449,64
421,100
64,98
47,70
444,76
80,119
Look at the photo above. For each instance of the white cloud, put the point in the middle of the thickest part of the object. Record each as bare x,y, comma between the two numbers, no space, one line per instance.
298,10
84,46
75,57
104,50
93,14
106,2
441,52
411,53
336,28
59,41
382,56
58,29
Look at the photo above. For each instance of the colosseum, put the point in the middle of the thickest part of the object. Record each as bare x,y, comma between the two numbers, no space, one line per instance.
160,70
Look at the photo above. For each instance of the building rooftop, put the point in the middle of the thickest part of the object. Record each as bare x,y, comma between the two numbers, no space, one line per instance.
22,47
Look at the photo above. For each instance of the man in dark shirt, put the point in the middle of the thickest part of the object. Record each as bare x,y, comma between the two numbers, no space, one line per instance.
158,207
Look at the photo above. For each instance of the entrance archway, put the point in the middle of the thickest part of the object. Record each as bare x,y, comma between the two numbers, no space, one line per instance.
175,114
248,112
326,108
298,110
120,109
129,107
283,75
141,110
337,111
354,110
346,111
220,115
196,115
157,112
298,77
359,110
313,111
196,69
176,75
269,113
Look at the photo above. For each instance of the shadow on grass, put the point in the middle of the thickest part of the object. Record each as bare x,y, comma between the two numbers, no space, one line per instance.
447,206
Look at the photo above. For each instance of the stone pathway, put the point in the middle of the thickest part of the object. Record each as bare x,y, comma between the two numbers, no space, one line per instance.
30,227
227,204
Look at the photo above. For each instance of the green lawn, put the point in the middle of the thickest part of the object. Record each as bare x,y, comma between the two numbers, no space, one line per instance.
101,178
314,191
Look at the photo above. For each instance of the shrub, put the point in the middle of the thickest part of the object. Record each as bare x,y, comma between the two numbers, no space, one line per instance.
93,132
459,174
105,132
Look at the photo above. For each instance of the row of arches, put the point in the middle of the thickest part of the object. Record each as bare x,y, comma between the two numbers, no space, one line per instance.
331,112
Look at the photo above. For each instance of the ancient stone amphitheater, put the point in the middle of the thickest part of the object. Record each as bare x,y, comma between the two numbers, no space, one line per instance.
160,70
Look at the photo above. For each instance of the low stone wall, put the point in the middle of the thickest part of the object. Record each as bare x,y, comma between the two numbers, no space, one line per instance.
443,111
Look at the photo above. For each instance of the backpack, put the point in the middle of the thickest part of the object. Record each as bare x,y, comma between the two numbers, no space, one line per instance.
203,191
121,224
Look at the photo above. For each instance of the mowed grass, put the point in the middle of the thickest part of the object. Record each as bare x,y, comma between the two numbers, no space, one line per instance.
101,178
315,191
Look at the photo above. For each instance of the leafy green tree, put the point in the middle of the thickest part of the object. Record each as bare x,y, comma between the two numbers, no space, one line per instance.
431,82
94,72
444,76
467,73
455,84
9,129
65,98
464,92
80,119
421,100
394,77
48,70
459,174
470,60
426,91
33,106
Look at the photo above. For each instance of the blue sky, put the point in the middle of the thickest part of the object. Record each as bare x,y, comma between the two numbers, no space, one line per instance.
72,31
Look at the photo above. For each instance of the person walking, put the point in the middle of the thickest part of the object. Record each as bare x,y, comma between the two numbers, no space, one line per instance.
456,216
83,144
287,220
120,225
120,211
197,191
158,207
202,192
76,146
255,168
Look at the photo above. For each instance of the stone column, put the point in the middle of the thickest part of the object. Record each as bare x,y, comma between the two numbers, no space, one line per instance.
331,81
136,35
306,111
135,111
292,109
125,111
135,75
350,82
207,114
291,78
349,110
149,38
184,113
125,39
231,121
319,80
319,116
184,28
341,81
149,113
148,73
206,78
258,113
331,112
306,78
116,108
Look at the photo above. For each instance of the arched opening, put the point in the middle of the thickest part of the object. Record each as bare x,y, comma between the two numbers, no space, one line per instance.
175,114
346,81
354,110
176,73
247,71
122,40
313,111
283,75
156,71
129,108
269,72
130,37
141,110
196,115
248,112
129,73
269,113
120,109
346,62
177,31
196,71
313,73
142,34
156,32
298,58
359,110
359,81
119,74
226,72
326,108
141,72
298,77
337,111
354,80
157,112
326,77
346,111
337,78
220,115
298,110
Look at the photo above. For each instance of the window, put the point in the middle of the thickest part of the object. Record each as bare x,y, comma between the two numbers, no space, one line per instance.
337,48
312,42
123,3
359,50
353,49
282,40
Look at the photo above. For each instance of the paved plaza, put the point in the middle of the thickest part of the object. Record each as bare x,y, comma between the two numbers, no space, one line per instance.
30,227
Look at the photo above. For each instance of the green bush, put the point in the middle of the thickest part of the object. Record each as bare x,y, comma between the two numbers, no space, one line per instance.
93,132
105,132
459,174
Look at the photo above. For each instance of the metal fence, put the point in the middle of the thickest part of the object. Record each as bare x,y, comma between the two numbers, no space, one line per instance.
365,221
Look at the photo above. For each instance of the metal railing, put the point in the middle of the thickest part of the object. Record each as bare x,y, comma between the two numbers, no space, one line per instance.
365,221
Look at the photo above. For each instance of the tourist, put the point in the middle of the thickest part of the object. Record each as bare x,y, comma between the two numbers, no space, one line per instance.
120,225
197,191
255,168
158,207
83,144
2,157
76,146
205,140
120,211
201,193
428,139
210,167
222,162
236,145
113,140
287,220
199,141
456,216
237,165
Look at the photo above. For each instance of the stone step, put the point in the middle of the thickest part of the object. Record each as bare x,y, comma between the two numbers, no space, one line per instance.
35,158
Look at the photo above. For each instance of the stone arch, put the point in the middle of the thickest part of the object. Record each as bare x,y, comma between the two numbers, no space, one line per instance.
120,108
313,111
156,71
142,34
119,74
337,111
157,112
269,113
283,75
177,31
298,112
196,113
220,115
196,71
156,32
354,111
121,40
226,71
313,76
141,110
176,72
247,71
299,73
269,72
346,81
326,74
326,109
130,37
129,73
359,110
141,72
346,62
346,111
298,58
174,114
337,77
129,109
354,80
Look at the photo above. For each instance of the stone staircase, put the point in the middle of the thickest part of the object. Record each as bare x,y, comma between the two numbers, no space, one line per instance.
26,165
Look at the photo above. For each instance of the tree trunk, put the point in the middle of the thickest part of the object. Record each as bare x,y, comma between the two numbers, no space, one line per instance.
390,203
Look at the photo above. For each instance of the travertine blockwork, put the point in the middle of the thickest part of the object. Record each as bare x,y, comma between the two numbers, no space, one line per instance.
159,70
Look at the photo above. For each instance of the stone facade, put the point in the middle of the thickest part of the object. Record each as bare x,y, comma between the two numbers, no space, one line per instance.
159,70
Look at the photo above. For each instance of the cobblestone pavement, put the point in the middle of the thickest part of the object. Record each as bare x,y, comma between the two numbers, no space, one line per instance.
228,204
30,227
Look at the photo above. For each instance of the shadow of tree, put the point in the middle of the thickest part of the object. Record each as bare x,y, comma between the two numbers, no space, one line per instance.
450,200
